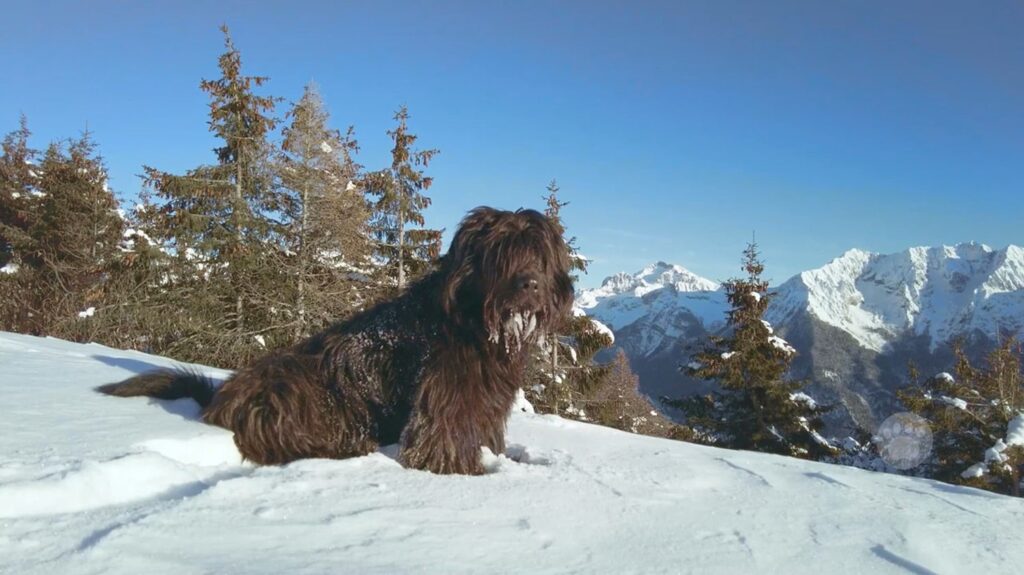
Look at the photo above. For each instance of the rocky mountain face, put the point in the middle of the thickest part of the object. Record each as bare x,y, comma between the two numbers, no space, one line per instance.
856,321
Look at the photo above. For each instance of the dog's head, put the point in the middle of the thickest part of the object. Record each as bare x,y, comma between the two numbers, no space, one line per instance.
507,274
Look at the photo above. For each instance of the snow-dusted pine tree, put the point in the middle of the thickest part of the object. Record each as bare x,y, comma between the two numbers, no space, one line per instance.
977,419
326,217
757,407
63,239
564,370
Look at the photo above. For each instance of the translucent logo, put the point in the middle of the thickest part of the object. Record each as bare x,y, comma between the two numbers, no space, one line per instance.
904,440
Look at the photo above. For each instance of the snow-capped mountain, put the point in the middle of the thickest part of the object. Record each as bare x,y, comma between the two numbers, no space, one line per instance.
655,306
940,293
855,321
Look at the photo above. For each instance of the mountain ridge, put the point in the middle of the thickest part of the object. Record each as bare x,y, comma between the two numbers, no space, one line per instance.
856,321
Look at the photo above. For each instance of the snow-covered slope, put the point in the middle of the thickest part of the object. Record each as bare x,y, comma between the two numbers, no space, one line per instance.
94,484
938,292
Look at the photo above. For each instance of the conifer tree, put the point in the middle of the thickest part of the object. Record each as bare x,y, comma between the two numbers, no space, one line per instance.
757,407
66,242
618,403
221,222
403,243
326,213
17,197
564,370
553,209
972,414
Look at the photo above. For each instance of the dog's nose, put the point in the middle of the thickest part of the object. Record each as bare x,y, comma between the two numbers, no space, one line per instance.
531,284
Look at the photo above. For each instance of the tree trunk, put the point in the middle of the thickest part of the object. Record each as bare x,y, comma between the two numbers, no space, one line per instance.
300,328
239,309
554,370
401,248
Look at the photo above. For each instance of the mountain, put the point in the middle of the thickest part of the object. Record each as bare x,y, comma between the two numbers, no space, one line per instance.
98,484
855,321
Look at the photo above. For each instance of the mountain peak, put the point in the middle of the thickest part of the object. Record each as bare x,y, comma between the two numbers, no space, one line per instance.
938,291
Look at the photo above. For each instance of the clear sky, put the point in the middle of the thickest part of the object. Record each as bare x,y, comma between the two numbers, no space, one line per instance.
675,129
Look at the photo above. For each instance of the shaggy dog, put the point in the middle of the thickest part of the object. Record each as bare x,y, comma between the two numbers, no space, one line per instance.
436,369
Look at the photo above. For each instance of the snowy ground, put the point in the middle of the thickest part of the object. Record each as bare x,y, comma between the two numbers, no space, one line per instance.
94,484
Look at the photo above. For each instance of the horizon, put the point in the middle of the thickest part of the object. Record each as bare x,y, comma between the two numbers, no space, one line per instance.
675,132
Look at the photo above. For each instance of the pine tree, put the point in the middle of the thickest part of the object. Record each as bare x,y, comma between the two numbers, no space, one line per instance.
553,210
221,223
66,243
17,197
618,403
327,216
971,413
757,407
564,371
400,204
18,209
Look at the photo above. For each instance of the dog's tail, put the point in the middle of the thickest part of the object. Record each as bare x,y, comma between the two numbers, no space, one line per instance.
164,384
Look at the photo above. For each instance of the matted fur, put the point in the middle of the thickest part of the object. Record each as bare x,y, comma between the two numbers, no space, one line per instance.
436,369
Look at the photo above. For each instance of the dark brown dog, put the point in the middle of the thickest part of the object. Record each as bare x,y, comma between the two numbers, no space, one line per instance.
436,368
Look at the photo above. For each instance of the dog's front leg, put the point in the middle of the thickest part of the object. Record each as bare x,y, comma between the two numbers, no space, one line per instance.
445,432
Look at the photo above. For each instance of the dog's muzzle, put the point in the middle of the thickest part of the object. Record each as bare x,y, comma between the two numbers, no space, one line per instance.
516,330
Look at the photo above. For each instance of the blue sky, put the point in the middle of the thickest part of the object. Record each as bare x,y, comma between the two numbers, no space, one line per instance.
675,129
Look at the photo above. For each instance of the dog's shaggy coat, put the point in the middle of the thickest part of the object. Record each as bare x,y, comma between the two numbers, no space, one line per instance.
436,369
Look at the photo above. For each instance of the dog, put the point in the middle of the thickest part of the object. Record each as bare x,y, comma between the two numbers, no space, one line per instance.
435,369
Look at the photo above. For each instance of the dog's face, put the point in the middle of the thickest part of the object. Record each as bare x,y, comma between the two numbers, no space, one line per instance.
507,273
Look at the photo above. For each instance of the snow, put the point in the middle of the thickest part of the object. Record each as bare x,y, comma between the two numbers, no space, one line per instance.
88,312
662,300
9,268
95,484
129,236
781,344
995,455
939,291
801,397
1015,431
602,328
954,401
975,471
326,148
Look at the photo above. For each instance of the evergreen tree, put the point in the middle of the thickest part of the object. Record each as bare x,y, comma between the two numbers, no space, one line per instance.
406,249
564,371
326,214
971,414
18,196
553,209
222,222
66,242
618,403
757,407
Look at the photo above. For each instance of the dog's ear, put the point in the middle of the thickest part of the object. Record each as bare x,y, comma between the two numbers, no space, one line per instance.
459,263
